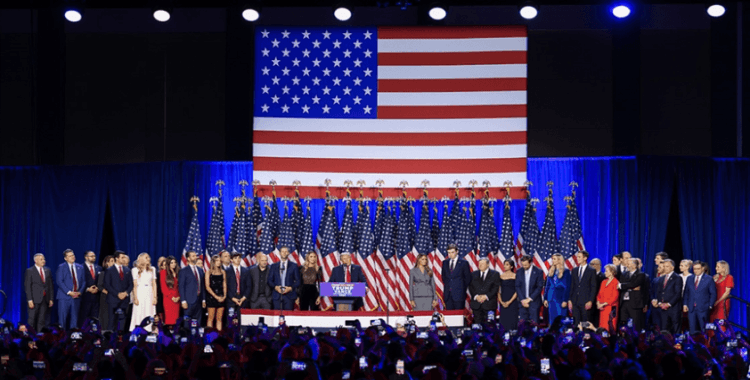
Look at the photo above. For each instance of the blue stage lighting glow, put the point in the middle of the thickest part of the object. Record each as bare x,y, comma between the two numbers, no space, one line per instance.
621,11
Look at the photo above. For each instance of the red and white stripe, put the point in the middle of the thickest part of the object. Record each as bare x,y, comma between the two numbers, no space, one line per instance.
387,282
463,87
401,276
571,261
436,260
371,299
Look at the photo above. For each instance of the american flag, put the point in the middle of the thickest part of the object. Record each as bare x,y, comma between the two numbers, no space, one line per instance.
423,244
328,249
193,242
405,252
267,243
435,230
506,248
305,235
529,234
466,238
441,249
240,244
234,227
571,236
272,223
215,240
548,243
385,256
412,91
455,218
297,219
488,241
345,235
364,244
254,229
286,233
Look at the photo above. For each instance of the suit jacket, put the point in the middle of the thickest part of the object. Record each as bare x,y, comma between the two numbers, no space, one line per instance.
339,275
672,292
583,289
64,280
35,288
246,285
456,282
702,298
536,284
257,289
90,281
188,285
628,283
489,287
114,285
292,279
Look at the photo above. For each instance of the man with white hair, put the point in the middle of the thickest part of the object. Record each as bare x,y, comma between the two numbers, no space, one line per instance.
38,285
348,272
485,283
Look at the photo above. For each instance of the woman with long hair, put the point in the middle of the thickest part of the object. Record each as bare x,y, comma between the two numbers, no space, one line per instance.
724,284
312,276
508,296
144,291
216,279
557,288
170,291
422,294
160,265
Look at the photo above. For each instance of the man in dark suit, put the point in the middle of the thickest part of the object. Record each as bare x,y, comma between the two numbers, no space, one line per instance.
619,268
260,293
284,278
192,288
90,297
529,285
483,289
69,281
456,279
239,285
348,272
668,300
699,297
37,282
118,281
631,298
653,316
582,289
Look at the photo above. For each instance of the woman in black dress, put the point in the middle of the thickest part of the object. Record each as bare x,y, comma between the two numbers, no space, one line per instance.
312,275
216,279
508,296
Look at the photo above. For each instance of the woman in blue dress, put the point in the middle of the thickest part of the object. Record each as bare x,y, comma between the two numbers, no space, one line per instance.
557,289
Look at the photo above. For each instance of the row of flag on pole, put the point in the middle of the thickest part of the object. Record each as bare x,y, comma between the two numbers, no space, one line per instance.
389,249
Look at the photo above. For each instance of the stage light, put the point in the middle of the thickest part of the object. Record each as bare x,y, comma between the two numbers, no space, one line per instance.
161,15
528,12
437,13
342,13
621,11
250,14
716,10
73,15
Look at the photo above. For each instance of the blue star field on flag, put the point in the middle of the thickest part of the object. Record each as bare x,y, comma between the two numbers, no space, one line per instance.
571,231
215,239
365,242
465,238
405,231
286,234
548,244
488,242
346,239
505,245
423,241
529,228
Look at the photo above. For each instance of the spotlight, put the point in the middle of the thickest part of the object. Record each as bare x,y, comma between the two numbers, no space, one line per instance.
161,15
621,11
528,12
342,13
716,10
250,14
437,13
73,15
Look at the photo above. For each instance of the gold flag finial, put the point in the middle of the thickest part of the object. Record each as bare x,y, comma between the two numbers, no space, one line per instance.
573,185
194,200
328,181
457,185
220,184
296,184
403,185
256,183
273,187
425,183
243,184
361,183
348,184
380,183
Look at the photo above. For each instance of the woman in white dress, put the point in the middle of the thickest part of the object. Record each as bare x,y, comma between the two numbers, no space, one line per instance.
144,291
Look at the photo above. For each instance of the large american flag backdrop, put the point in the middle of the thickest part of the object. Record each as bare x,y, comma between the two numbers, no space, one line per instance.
390,103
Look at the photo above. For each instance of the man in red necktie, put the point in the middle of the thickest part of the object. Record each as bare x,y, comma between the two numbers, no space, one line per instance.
38,286
348,272
191,285
238,284
69,279
90,295
118,282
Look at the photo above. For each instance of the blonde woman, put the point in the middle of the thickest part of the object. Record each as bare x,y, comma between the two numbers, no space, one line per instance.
724,284
312,276
216,279
144,291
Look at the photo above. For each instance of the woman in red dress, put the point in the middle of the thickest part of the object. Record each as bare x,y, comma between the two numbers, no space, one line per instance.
724,284
168,284
608,298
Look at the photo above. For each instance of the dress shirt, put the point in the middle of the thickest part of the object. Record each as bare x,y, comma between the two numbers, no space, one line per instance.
581,271
684,281
527,274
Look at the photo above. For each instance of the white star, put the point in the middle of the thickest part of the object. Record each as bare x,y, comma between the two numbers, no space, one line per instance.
305,109
357,62
326,53
336,62
275,80
295,81
266,70
368,90
265,107
295,99
347,91
285,71
336,44
265,89
275,61
347,72
316,44
265,33
347,53
368,72
275,42
326,72
357,44
275,99
367,109
336,100
367,35
305,90
357,81
336,81
326,34
295,43
265,52
285,108
285,34
357,99
347,109
316,81
326,91
326,109
285,52
296,62
316,62
368,53
316,99
306,53
306,72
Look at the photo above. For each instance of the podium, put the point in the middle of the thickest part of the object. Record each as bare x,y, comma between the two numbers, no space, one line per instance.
344,294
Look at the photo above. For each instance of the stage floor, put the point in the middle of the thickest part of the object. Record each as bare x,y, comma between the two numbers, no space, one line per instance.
330,319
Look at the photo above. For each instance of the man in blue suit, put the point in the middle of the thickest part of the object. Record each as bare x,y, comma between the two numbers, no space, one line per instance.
191,287
118,282
529,285
284,278
239,284
668,298
348,272
582,289
456,279
699,297
70,283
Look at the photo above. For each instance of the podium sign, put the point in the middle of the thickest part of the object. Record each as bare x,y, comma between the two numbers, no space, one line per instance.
343,293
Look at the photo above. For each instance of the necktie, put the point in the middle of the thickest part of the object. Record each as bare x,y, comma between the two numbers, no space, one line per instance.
283,274
696,282
122,276
75,282
483,275
348,274
580,273
91,269
237,275
41,273
666,278
197,278
453,265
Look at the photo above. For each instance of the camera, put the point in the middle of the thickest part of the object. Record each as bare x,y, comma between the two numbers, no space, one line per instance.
80,367
76,336
374,322
39,365
428,368
544,366
435,317
208,349
151,339
422,335
298,366
362,362
710,326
